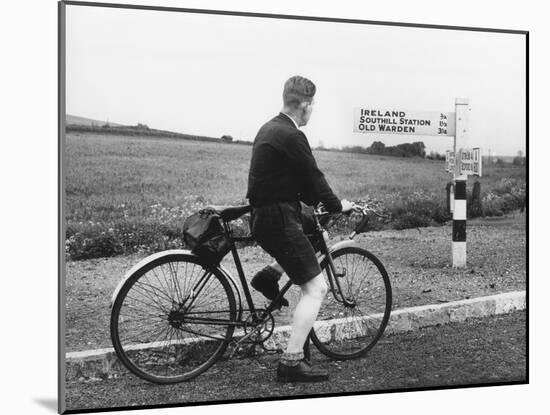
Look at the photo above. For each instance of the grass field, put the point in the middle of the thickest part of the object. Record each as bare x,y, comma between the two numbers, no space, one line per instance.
127,191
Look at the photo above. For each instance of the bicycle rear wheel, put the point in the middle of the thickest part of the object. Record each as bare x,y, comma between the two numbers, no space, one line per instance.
343,331
172,319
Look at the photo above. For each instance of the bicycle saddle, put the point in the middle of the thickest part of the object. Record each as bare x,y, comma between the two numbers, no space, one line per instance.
228,213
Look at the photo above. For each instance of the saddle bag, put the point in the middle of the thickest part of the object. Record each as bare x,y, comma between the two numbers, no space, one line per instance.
203,233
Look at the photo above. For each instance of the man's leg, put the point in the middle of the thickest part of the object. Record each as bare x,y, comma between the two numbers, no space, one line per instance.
305,313
292,366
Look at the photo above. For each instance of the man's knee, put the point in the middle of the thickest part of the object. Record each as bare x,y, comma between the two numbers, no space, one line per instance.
317,287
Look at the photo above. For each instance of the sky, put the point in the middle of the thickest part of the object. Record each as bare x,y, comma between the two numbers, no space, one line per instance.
215,75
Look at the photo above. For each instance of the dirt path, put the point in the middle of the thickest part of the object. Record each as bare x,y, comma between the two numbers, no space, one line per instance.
418,262
479,351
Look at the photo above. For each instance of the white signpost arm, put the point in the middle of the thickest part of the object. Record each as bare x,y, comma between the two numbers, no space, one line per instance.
459,212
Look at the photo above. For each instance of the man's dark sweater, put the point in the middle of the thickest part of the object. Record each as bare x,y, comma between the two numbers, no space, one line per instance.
284,169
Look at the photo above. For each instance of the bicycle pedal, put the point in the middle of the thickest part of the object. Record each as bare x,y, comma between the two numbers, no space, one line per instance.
244,353
236,346
239,346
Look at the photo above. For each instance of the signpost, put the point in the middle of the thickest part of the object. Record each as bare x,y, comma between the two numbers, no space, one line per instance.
444,124
391,121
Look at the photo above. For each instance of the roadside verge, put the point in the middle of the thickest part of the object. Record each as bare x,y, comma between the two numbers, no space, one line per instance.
103,363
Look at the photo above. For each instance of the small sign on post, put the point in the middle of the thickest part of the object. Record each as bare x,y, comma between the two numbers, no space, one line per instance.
470,162
449,161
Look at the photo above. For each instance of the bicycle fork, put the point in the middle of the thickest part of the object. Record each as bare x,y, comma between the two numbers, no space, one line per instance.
334,282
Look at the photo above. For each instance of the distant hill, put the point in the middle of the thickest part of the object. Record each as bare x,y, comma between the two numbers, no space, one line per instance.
87,125
76,120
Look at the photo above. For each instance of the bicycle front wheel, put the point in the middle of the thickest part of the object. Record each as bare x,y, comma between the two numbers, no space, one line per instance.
172,319
346,331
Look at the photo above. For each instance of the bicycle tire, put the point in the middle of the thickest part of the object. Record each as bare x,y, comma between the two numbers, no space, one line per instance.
355,331
145,307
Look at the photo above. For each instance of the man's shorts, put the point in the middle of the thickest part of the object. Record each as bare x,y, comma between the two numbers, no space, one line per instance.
279,230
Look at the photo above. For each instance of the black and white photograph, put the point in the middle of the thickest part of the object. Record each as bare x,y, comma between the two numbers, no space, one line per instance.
259,207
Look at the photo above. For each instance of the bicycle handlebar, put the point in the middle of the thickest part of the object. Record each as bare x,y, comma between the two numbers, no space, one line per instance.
363,209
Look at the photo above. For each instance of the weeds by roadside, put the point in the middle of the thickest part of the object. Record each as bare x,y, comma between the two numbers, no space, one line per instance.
161,228
506,196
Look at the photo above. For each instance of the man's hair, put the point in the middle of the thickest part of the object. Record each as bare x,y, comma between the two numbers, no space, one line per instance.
297,90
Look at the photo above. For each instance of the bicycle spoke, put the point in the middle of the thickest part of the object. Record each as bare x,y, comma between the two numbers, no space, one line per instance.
205,288
170,283
140,318
150,292
147,304
155,291
210,302
164,287
141,311
143,339
178,287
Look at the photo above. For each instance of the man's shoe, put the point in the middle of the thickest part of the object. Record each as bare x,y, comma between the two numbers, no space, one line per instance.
266,281
300,373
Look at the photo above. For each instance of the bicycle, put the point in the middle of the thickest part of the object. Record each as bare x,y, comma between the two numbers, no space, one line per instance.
173,316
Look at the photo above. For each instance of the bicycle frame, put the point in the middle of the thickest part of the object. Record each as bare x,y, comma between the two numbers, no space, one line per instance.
334,284
332,276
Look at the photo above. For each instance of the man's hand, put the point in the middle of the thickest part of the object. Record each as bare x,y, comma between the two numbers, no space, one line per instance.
347,206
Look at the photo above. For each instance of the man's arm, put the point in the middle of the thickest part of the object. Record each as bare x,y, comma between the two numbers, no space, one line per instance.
299,152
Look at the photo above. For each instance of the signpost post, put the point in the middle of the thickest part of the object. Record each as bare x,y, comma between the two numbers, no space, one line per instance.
462,163
459,212
449,167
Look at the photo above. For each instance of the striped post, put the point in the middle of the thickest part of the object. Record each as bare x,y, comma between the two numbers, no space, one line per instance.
459,208
459,224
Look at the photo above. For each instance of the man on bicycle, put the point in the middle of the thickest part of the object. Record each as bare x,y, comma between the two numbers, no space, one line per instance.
283,173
